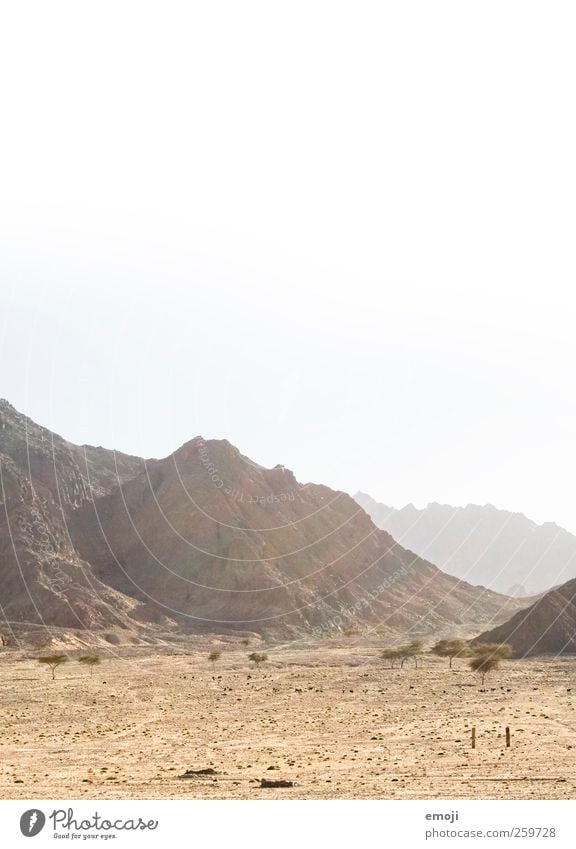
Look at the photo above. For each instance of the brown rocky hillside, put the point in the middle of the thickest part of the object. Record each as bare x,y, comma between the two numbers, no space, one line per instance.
546,627
204,540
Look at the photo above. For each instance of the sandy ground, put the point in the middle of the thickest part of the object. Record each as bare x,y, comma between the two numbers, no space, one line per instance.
336,721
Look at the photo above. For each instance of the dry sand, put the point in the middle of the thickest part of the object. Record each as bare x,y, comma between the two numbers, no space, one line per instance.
334,720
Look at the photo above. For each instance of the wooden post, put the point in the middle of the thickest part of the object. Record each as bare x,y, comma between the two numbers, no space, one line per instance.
507,737
474,737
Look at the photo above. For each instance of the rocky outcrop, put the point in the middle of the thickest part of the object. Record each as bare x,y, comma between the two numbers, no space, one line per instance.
44,583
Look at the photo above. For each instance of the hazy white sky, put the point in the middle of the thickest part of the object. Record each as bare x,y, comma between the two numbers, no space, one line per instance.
339,234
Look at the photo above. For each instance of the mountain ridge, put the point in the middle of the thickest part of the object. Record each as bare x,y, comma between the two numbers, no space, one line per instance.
200,540
503,550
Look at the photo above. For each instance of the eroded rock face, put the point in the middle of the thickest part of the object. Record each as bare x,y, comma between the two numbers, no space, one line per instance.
72,474
204,540
43,580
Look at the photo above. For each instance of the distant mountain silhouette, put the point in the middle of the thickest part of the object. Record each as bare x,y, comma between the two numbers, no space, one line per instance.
547,627
203,540
483,545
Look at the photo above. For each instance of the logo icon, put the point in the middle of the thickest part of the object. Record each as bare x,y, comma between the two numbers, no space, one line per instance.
32,822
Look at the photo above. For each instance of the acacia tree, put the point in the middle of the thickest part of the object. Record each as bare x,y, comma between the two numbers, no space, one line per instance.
483,664
392,655
214,656
257,658
413,650
451,648
4,640
486,657
90,660
53,661
403,653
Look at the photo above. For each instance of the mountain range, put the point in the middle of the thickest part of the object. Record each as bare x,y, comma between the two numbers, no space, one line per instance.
204,540
496,548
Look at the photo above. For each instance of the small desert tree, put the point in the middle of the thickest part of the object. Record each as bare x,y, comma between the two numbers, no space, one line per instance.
486,657
257,658
214,656
451,648
4,641
245,641
53,661
411,650
392,655
404,653
90,660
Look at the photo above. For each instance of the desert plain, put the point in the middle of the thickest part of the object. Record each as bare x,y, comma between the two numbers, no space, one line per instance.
333,718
